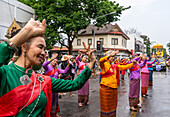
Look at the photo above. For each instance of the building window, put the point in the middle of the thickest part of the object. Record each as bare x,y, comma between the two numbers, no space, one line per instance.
78,42
90,41
114,41
125,43
102,40
137,47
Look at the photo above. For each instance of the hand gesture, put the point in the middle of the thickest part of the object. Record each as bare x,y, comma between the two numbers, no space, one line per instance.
68,63
113,53
35,28
79,53
134,62
89,52
54,56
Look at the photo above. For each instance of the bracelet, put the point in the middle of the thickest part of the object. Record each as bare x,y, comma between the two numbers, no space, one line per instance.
10,44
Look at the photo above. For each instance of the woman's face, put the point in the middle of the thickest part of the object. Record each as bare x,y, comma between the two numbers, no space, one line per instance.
111,59
84,59
54,63
35,53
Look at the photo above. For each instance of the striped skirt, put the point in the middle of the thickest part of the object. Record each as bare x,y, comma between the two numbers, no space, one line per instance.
108,101
150,78
134,90
145,83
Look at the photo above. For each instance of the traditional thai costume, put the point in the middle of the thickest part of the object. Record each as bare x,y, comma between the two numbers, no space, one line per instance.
83,93
118,72
123,62
50,71
22,96
108,86
134,87
150,68
145,77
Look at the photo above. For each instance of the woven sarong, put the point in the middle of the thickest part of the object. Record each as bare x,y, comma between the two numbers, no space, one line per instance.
150,78
108,101
145,83
134,90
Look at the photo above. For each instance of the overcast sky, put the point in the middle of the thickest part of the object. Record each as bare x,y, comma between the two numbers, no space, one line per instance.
150,17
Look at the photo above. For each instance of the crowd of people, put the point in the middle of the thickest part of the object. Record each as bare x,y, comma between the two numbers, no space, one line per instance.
24,92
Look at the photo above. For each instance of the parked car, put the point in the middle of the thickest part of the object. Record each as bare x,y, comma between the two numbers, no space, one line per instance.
160,63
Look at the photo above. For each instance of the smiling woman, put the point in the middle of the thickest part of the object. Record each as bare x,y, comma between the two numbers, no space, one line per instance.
24,92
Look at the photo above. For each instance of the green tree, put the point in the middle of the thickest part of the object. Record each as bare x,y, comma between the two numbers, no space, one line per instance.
147,43
168,45
70,16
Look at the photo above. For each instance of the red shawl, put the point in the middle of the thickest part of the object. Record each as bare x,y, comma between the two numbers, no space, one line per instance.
13,101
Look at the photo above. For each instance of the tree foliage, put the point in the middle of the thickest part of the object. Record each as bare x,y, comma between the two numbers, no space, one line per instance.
70,16
168,45
147,43
132,31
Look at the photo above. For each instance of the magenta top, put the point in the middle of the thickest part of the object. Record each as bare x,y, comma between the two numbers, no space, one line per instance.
53,72
81,65
145,68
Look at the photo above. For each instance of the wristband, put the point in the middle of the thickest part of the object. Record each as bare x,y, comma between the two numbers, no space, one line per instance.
10,44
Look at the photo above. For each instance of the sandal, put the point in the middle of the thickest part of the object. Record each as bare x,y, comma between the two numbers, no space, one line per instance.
133,109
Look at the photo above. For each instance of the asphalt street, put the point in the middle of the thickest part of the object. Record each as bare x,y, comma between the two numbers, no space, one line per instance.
157,104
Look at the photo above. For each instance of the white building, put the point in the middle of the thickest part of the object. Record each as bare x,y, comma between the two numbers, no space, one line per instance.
136,44
11,9
112,37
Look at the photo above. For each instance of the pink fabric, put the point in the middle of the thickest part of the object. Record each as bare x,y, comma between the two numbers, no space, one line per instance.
85,89
145,79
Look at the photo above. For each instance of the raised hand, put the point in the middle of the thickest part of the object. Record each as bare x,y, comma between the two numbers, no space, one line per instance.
31,29
134,62
68,63
79,52
113,53
89,52
54,57
35,28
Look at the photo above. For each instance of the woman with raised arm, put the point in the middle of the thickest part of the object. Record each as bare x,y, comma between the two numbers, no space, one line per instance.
145,77
52,71
24,92
134,84
108,84
83,93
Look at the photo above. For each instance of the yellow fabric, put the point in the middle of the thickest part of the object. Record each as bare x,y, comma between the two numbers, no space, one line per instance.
125,67
110,81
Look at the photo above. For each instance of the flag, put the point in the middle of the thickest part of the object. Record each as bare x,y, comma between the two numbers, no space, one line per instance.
162,53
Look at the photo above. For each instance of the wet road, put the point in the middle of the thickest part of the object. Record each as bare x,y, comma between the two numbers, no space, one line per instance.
157,104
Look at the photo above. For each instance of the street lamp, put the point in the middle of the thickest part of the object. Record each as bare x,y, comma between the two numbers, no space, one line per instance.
93,27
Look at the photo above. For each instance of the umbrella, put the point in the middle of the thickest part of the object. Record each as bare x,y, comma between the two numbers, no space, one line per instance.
158,46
